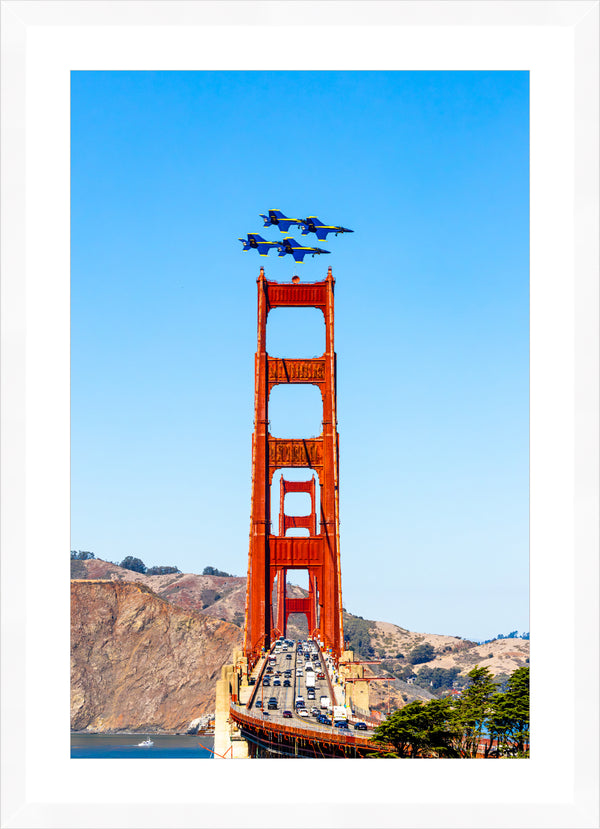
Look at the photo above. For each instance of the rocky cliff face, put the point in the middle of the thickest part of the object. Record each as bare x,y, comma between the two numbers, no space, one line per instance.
140,663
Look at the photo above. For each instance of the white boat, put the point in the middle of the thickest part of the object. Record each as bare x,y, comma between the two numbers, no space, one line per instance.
146,743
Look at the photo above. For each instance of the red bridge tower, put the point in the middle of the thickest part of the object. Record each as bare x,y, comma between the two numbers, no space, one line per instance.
270,555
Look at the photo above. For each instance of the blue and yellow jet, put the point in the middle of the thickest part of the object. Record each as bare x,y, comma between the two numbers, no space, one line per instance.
314,225
258,243
289,245
276,217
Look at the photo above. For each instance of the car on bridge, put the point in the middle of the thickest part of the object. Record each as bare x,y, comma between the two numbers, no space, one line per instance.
360,726
320,675
323,719
286,683
277,682
302,712
287,714
266,682
341,724
272,703
258,703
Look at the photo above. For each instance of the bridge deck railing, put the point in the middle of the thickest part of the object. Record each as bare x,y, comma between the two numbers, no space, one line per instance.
240,715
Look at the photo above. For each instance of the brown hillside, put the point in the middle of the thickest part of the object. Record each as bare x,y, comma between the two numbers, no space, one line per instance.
502,656
223,597
139,663
122,692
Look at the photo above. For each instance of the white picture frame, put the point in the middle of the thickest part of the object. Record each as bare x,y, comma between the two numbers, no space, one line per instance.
557,43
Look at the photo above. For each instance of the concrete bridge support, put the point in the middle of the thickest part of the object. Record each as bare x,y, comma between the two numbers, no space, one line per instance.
233,685
357,693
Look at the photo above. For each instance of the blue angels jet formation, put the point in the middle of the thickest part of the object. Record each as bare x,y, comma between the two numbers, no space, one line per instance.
311,224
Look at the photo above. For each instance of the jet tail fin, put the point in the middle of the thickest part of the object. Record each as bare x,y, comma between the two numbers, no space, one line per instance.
284,225
312,224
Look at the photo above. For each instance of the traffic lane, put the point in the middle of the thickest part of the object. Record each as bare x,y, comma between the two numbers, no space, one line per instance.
320,688
286,697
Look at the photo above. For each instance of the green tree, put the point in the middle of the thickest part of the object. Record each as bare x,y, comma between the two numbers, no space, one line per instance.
421,653
418,730
509,722
162,570
135,564
475,705
212,571
438,679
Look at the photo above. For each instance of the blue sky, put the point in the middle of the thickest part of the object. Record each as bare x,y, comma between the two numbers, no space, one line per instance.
431,170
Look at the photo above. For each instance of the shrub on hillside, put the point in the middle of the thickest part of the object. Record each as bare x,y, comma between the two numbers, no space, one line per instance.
439,679
161,570
421,653
212,571
132,563
358,632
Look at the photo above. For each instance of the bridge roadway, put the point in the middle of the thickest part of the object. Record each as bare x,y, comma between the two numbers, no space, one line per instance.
271,678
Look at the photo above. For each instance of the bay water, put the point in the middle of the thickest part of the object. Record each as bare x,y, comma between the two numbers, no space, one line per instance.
119,746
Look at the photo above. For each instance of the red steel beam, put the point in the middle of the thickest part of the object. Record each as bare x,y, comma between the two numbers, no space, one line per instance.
366,662
369,678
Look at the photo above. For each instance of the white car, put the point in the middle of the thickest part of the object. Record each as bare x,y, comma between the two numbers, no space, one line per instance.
303,712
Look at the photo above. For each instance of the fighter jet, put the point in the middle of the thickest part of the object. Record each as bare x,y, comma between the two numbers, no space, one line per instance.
289,245
314,225
276,217
256,241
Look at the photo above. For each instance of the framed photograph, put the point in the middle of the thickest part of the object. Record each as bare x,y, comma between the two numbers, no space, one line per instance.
47,49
